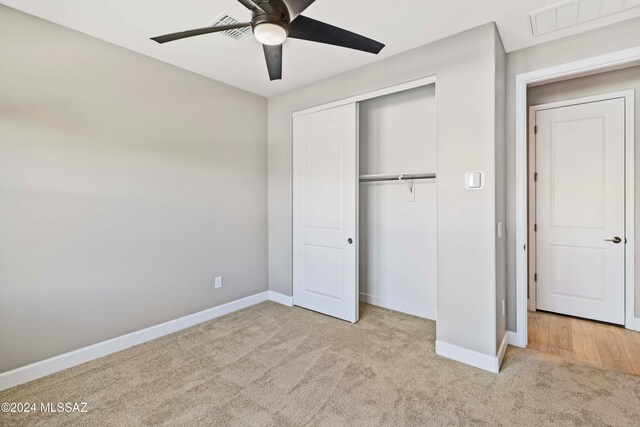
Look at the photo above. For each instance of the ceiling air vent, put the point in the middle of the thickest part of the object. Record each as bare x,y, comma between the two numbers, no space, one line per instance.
238,34
573,12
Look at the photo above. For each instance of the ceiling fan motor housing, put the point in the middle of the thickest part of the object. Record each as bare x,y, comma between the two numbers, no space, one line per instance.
271,13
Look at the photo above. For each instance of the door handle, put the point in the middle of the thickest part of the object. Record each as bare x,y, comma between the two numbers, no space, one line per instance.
350,241
615,240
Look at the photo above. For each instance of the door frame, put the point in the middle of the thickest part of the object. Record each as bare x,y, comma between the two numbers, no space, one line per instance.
629,199
596,64
425,81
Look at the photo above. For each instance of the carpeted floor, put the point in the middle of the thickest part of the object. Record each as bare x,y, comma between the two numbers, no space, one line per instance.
279,366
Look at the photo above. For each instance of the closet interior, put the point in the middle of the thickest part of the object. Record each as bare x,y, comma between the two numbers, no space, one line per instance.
397,201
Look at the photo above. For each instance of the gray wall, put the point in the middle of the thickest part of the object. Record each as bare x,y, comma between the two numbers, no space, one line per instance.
612,81
125,185
608,39
465,65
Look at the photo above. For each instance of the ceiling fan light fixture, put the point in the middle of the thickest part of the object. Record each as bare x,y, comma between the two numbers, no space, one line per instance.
273,21
270,34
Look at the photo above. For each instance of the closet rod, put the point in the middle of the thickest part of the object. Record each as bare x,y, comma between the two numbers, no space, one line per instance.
397,177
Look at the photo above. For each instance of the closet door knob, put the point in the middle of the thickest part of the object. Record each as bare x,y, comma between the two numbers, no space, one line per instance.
350,240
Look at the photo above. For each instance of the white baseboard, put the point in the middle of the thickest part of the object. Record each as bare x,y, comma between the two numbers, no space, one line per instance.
468,357
398,306
514,339
635,326
280,298
67,360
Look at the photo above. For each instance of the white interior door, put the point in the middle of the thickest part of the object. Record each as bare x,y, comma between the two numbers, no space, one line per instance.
580,208
325,182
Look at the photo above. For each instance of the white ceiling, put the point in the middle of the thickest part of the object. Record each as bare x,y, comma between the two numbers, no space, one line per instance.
400,24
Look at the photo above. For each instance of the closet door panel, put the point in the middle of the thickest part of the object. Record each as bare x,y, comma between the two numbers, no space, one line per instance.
324,212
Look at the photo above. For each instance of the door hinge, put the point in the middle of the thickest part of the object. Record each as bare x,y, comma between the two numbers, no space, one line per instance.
535,177
535,129
535,227
535,277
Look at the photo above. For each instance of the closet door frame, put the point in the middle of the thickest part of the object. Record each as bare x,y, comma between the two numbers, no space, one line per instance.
425,81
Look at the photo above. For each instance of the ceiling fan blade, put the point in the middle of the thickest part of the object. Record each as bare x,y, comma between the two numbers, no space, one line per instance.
251,5
309,29
198,32
273,55
296,7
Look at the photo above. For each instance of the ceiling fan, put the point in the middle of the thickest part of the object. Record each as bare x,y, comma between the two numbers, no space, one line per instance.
272,21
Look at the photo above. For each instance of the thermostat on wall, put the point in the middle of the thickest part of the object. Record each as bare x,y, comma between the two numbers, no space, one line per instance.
474,180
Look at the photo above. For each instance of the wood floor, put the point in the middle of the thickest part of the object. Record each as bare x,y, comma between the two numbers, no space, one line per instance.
592,343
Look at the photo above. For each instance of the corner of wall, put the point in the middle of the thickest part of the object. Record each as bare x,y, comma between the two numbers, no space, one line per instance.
501,196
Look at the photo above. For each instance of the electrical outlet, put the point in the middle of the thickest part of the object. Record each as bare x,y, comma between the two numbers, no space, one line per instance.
218,282
504,309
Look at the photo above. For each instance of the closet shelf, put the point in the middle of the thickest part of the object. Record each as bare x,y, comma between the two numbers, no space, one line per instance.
397,177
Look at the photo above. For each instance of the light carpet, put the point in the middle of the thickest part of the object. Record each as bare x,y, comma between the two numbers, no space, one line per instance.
280,366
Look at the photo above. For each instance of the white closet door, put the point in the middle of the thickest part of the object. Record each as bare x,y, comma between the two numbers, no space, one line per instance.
580,210
325,179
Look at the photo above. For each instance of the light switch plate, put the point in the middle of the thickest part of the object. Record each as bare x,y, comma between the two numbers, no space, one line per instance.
474,180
